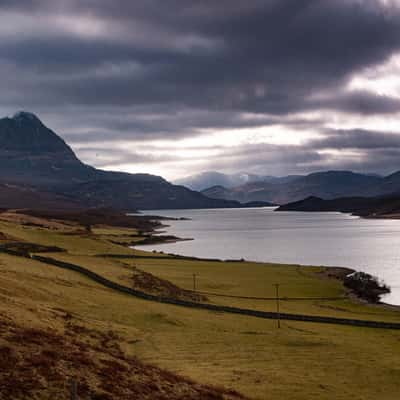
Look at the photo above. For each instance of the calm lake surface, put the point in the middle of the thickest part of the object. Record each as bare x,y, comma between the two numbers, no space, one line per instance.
260,234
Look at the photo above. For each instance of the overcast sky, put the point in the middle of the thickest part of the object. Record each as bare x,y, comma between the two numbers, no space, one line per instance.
175,87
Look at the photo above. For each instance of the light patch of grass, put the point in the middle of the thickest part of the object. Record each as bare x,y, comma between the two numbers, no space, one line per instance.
75,244
117,270
258,279
113,231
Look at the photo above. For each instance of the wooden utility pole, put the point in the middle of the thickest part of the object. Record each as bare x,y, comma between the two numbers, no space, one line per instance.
277,304
194,282
74,389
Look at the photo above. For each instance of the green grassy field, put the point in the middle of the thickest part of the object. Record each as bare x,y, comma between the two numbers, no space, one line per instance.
258,279
298,361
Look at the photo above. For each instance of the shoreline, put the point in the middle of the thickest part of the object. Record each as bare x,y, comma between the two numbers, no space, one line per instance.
351,294
345,271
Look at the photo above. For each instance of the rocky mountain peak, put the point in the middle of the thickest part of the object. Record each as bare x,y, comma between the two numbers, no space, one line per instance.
32,153
26,117
24,132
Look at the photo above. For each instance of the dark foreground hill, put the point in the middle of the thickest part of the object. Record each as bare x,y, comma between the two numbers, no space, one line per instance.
325,185
42,169
382,206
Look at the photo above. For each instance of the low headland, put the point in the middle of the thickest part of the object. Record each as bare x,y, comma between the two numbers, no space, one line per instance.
367,207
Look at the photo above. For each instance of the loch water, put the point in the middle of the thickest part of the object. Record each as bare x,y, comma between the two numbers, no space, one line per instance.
318,238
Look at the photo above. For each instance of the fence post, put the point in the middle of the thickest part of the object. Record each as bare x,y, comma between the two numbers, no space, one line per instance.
74,389
277,304
194,282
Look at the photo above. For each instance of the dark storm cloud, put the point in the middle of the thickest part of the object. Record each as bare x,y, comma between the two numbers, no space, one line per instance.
166,124
356,139
123,70
359,102
378,151
268,57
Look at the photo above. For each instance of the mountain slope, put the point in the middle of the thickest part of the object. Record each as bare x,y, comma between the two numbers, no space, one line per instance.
18,196
32,155
143,193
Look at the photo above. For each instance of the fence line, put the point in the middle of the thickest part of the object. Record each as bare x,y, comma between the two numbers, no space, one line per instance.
203,306
270,298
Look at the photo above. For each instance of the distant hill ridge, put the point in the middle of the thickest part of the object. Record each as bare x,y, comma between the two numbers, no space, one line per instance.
209,179
213,178
380,206
41,166
325,185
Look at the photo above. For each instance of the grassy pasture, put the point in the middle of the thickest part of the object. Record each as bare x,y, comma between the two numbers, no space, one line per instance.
298,361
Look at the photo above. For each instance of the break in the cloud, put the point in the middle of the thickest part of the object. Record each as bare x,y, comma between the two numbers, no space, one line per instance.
178,87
